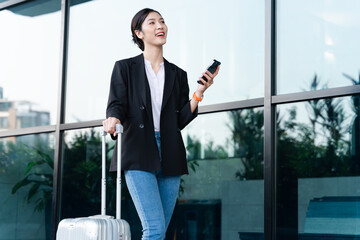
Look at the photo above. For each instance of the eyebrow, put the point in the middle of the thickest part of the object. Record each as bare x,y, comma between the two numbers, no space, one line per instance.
154,19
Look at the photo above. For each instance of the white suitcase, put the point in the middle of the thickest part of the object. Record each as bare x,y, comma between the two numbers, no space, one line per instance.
99,227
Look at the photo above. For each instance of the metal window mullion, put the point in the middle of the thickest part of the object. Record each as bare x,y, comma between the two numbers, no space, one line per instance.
229,106
57,178
27,131
319,94
269,122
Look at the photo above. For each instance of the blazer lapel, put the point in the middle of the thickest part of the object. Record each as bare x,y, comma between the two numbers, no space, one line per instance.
142,83
169,82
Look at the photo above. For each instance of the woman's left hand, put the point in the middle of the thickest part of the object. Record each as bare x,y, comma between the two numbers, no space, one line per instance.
210,80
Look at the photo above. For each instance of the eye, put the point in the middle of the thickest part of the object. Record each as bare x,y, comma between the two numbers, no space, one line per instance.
151,22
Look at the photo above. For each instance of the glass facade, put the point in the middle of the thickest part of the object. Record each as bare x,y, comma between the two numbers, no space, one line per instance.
318,153
29,65
99,36
317,41
219,172
26,183
82,174
48,174
224,163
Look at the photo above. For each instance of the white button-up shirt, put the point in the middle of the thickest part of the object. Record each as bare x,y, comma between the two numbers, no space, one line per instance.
156,83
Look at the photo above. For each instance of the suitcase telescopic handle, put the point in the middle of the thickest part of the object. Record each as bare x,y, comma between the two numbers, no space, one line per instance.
119,130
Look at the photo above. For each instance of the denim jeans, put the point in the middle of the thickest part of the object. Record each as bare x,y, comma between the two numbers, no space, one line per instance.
154,197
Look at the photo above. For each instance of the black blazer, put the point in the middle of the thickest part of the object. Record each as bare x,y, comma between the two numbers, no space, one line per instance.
130,102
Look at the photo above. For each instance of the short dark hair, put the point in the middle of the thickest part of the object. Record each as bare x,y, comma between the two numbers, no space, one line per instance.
136,23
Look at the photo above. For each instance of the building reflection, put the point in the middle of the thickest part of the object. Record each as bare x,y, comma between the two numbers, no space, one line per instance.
20,114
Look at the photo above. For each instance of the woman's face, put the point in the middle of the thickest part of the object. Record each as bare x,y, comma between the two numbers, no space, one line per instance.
154,30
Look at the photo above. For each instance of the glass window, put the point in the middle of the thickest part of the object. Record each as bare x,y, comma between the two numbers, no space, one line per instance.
4,123
318,169
82,173
317,42
29,64
230,31
223,196
26,182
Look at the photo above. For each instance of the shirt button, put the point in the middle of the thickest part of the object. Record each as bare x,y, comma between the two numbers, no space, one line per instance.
142,107
141,126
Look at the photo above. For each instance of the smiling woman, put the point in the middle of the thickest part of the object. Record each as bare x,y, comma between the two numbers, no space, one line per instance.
150,97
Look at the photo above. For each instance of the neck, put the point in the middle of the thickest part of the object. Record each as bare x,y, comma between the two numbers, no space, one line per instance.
154,54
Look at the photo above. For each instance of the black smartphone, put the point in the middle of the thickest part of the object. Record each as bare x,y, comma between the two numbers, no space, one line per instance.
212,68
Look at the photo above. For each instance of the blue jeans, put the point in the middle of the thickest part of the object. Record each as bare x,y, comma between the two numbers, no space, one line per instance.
154,197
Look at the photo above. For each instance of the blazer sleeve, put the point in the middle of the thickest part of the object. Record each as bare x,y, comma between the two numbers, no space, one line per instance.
117,102
185,114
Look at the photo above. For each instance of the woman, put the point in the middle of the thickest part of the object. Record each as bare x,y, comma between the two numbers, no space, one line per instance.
149,96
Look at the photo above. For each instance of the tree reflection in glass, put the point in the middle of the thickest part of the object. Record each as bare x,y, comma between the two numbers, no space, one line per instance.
225,188
355,128
26,167
321,147
317,140
248,137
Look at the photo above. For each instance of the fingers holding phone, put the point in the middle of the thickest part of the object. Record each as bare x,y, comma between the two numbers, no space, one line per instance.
213,69
210,76
207,79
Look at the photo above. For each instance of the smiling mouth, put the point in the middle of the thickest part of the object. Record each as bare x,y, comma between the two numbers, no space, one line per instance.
161,34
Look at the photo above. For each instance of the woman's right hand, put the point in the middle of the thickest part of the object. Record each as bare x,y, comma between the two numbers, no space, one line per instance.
109,125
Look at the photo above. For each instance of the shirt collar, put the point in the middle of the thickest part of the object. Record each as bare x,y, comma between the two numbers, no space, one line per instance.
148,63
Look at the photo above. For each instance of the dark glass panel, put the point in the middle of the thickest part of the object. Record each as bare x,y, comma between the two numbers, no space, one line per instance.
81,192
223,196
211,204
318,169
26,181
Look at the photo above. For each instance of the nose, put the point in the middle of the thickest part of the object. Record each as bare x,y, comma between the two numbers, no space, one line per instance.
159,26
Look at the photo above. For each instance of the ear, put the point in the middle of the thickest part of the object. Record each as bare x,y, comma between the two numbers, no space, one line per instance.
139,34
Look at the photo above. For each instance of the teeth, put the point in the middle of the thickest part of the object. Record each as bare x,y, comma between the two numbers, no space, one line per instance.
160,34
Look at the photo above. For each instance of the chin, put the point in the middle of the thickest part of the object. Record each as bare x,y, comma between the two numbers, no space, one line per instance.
163,43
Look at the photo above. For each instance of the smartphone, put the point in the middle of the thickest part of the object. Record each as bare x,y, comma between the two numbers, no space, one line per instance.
212,68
